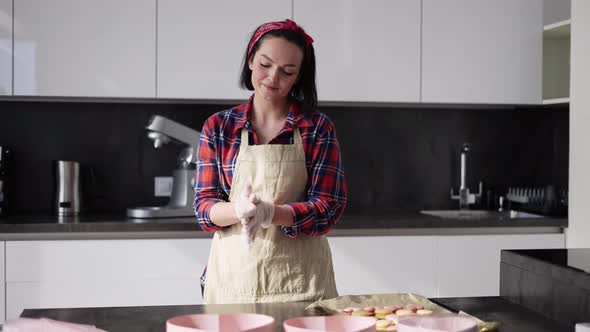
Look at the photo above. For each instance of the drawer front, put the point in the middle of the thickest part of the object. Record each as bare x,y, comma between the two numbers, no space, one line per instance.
39,261
110,293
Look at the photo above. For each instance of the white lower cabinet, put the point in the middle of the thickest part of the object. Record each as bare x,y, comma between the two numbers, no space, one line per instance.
432,266
384,264
100,273
469,265
2,284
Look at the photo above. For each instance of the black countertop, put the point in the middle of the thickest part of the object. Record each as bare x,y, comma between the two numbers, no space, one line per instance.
512,317
577,259
571,266
554,282
349,224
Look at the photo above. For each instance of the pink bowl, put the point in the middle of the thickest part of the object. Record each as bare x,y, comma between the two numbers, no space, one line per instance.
437,323
330,323
221,323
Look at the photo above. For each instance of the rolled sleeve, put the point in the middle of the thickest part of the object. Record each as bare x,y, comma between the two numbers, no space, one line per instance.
208,189
326,191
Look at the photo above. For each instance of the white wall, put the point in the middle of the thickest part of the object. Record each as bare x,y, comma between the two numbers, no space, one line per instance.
578,232
556,10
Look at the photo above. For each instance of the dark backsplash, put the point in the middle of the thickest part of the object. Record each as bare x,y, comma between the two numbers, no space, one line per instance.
394,157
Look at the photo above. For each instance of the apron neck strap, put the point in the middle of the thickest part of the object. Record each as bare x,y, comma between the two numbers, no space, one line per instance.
296,136
245,137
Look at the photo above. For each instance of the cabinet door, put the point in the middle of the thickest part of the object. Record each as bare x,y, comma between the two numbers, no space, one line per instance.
85,48
482,51
2,283
201,45
388,264
103,273
5,47
469,265
365,51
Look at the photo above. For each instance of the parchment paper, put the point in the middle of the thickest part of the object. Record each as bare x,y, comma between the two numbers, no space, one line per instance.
332,306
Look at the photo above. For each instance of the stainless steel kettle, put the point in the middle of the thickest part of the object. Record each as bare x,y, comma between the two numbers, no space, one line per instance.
68,193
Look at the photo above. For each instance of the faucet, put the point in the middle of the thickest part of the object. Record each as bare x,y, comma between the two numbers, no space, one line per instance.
465,198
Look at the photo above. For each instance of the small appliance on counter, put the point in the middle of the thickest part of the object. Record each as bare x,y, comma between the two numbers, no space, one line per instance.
5,156
162,130
67,188
549,200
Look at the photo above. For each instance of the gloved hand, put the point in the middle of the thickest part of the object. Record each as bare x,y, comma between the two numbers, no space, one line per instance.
249,230
244,206
264,212
245,210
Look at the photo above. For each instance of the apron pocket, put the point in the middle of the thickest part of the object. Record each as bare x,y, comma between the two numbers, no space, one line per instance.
280,275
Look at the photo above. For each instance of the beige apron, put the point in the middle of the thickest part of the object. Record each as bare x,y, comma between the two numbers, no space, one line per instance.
277,268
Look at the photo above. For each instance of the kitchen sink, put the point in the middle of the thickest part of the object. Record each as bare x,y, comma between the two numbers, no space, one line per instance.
480,214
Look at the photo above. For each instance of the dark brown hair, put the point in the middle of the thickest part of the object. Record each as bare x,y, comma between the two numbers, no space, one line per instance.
304,91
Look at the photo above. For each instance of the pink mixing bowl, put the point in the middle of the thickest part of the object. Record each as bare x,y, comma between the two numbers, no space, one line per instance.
221,323
437,323
330,323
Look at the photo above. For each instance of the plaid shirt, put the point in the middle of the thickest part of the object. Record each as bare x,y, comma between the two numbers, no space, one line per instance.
218,150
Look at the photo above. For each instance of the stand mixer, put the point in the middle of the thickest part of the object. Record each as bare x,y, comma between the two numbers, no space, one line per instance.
162,130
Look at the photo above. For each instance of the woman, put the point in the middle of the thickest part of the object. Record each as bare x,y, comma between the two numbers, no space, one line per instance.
269,172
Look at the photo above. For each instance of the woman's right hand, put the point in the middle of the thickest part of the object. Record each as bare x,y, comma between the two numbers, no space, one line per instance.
244,206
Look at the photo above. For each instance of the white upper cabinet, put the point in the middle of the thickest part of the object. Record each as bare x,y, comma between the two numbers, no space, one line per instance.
365,50
201,44
482,51
5,47
85,48
556,11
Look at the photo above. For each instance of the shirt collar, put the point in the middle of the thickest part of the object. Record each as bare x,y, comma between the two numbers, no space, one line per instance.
295,118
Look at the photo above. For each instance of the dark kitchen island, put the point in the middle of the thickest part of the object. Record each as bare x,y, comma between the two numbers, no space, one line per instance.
512,317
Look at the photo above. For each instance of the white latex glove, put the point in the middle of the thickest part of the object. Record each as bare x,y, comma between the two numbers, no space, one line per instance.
245,210
262,217
249,230
244,206
264,212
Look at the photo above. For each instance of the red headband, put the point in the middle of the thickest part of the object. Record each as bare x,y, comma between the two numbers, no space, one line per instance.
287,25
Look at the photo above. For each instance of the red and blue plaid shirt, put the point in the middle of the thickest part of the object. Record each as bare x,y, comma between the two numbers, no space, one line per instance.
326,188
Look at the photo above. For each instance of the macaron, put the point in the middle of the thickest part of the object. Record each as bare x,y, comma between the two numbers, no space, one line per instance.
383,323
383,311
424,312
393,308
414,307
404,312
392,317
361,313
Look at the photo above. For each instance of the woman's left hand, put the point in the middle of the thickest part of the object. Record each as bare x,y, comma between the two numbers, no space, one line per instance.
264,213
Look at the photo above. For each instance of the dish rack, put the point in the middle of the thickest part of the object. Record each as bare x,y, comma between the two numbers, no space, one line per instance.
547,200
